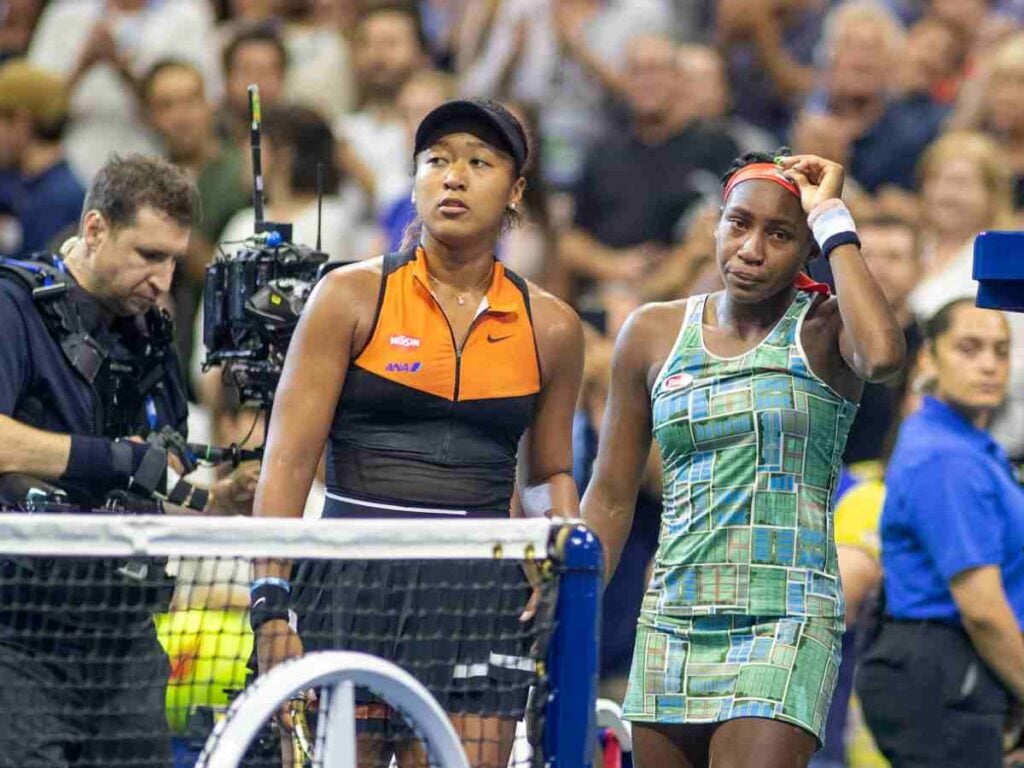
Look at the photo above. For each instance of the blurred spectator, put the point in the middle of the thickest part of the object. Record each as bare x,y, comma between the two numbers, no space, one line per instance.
101,48
981,22
890,250
320,74
966,189
563,58
828,135
295,141
952,540
1005,107
704,88
388,47
256,55
638,183
885,133
933,61
441,19
420,94
374,147
769,46
39,189
18,20
174,95
238,15
531,248
992,102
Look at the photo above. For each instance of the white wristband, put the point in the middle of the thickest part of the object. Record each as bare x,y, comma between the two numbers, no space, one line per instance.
832,226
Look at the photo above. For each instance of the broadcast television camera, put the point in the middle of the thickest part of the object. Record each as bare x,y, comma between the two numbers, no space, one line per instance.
255,294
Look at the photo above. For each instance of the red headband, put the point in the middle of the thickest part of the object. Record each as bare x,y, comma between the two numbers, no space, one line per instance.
766,171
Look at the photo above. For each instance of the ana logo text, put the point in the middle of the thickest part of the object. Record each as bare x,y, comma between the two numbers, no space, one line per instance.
409,342
403,367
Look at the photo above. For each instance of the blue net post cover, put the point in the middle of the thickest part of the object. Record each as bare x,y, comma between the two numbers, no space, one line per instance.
570,727
999,270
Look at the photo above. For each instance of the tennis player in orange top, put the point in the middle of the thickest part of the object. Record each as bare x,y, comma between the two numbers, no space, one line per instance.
433,375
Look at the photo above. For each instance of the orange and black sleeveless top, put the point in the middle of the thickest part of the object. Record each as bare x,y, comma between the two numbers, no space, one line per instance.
424,427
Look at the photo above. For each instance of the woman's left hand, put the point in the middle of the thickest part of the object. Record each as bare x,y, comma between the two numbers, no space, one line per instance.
817,178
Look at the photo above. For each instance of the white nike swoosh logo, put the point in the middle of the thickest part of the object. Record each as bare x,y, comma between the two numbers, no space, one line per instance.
261,600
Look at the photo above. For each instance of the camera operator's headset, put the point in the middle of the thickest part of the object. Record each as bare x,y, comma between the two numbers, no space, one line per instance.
45,276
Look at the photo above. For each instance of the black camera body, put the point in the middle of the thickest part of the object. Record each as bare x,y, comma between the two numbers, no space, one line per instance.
252,301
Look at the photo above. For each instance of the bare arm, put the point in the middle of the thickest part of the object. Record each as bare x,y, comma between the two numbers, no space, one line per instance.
582,254
870,339
991,625
32,451
792,79
609,77
548,487
306,398
860,574
678,272
754,21
610,500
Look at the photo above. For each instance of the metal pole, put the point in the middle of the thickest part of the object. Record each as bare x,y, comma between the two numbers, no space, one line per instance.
569,727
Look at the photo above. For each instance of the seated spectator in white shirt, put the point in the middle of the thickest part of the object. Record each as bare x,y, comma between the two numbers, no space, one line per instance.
388,47
295,141
256,55
101,47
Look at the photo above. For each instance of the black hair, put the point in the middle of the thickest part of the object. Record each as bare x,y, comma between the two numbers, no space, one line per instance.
146,83
308,135
407,9
127,183
261,33
939,324
752,158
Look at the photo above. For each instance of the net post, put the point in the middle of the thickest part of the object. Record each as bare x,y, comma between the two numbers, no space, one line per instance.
569,727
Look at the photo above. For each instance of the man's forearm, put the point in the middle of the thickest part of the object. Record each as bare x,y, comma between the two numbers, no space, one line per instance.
674,276
583,255
999,642
32,451
792,79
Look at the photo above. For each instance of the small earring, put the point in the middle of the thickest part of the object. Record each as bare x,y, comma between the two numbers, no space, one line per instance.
512,207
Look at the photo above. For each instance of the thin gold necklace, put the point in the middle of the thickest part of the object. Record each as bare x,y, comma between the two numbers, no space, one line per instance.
461,297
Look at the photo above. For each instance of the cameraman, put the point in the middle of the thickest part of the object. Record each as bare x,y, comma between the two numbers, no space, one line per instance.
87,372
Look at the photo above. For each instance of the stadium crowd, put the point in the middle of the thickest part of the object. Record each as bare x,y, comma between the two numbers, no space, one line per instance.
635,109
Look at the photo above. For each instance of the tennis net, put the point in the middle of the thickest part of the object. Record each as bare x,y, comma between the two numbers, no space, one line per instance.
124,640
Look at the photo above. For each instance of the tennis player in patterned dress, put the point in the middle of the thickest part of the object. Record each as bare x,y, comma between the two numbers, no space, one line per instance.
750,393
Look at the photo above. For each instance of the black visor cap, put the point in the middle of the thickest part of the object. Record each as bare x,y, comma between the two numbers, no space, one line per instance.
480,118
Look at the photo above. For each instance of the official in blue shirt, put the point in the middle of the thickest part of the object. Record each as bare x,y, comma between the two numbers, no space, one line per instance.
941,668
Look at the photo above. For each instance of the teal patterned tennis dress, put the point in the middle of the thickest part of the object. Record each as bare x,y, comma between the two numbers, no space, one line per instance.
744,613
